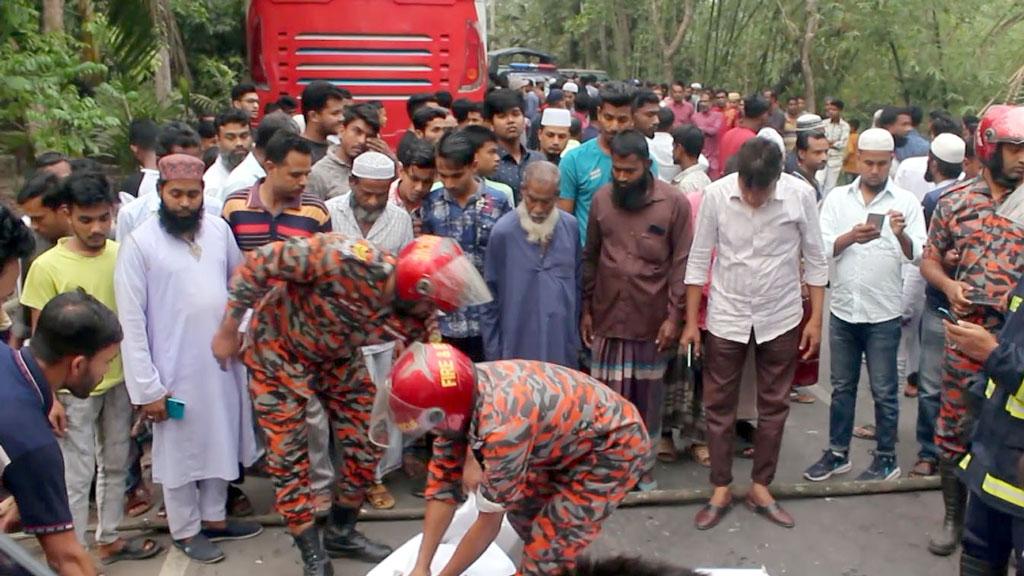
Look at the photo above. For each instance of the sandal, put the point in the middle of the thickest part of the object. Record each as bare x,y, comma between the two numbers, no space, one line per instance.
801,397
923,469
865,432
667,450
380,497
139,502
701,455
747,453
134,549
239,504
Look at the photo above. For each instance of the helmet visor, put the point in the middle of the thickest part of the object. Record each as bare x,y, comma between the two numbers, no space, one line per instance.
395,421
458,284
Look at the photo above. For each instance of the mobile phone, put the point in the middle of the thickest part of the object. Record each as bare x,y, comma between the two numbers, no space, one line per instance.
948,316
876,220
175,409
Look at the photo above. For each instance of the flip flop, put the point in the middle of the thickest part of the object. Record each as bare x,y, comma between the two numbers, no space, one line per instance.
667,451
139,502
701,455
239,505
380,497
134,549
865,432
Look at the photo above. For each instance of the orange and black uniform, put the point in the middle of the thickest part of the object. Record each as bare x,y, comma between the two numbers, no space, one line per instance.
559,452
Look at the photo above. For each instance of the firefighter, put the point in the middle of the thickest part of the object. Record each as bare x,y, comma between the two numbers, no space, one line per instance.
315,302
994,524
554,448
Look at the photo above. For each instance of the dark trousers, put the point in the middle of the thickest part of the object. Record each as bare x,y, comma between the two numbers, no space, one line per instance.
723,369
472,347
991,535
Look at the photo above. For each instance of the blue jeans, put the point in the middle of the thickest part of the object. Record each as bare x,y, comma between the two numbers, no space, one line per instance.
929,388
880,343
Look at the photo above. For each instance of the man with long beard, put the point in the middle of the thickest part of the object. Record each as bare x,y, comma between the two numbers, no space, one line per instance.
981,222
634,262
171,284
532,269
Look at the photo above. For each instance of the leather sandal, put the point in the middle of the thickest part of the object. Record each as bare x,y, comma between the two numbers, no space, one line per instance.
772,512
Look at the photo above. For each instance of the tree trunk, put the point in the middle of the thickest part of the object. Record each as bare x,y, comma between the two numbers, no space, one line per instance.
87,14
666,47
810,29
53,16
162,78
620,40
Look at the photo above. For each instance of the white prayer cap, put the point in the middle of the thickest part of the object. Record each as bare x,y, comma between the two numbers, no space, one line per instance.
772,135
571,87
949,148
808,122
876,140
373,165
696,86
556,117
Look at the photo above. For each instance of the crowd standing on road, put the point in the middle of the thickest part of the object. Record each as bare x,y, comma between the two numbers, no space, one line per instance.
569,280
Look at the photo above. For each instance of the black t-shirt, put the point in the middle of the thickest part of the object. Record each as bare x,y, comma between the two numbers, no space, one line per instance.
319,149
31,465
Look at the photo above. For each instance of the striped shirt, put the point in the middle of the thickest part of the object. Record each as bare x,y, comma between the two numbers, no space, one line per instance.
254,226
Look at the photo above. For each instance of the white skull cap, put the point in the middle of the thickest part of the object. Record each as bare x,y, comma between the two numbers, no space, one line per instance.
949,148
876,140
373,165
556,117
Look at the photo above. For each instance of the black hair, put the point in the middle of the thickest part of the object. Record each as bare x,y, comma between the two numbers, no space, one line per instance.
417,101
46,186
916,115
456,147
242,89
417,152
502,101
804,137
270,126
143,133
854,123
49,159
690,138
755,105
969,148
970,121
424,116
206,129
87,189
890,114
176,134
462,107
615,94
586,104
282,143
619,565
836,102
666,118
231,116
630,143
316,95
270,107
759,163
15,238
366,112
774,95
679,83
948,170
74,324
943,123
444,98
79,165
575,127
645,97
792,99
479,135
289,104
209,157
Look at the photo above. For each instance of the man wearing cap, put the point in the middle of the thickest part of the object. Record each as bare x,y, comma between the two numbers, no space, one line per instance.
364,212
976,221
810,151
171,284
571,89
871,230
554,133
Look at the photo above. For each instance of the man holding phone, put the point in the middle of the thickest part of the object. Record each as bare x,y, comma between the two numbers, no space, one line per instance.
970,220
869,257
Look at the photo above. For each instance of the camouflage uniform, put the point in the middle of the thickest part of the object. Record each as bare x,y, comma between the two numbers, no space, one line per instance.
316,301
559,451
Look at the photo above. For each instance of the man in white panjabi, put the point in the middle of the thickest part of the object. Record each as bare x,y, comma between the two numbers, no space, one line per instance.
171,284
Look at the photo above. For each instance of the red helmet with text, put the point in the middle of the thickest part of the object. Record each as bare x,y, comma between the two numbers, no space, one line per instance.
435,268
432,387
1000,124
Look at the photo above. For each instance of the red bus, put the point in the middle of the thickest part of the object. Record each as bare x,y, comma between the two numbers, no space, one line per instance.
381,50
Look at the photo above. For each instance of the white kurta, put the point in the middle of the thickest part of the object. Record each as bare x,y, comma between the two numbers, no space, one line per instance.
170,304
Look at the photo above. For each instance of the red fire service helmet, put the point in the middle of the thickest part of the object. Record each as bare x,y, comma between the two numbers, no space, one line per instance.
999,124
435,268
432,386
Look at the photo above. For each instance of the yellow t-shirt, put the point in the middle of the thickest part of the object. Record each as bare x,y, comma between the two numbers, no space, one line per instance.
60,270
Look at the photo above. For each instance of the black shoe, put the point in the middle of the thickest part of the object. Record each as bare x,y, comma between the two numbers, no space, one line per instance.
234,530
954,498
342,540
971,566
314,560
199,549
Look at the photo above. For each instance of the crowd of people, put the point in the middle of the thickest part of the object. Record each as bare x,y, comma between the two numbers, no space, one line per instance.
568,280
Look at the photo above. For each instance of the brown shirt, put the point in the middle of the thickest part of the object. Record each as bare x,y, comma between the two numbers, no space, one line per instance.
634,263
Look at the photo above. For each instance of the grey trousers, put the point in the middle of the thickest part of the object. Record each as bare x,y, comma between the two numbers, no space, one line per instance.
97,440
321,469
191,504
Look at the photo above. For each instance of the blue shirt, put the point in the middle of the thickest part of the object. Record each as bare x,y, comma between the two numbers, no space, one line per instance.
31,464
471,227
510,172
916,145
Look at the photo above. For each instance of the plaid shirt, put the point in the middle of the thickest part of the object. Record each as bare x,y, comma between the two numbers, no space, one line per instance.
471,228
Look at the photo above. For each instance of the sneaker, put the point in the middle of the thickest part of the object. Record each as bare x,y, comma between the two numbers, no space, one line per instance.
883,467
831,463
234,530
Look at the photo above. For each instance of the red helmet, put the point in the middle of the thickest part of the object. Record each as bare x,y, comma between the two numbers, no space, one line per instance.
431,386
999,124
436,268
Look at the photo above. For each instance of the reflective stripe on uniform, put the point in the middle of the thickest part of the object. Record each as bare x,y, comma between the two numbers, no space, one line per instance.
1003,490
966,461
1015,407
990,388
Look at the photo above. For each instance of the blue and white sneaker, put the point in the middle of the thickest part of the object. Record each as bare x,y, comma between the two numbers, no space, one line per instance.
883,467
831,463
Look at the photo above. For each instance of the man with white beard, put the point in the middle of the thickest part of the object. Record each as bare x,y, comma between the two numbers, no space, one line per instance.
532,268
